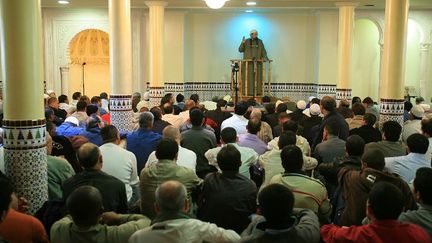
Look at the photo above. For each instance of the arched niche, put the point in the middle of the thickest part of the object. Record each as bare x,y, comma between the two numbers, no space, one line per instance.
366,59
88,54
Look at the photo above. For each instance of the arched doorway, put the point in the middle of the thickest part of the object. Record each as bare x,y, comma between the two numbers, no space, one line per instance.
366,59
89,63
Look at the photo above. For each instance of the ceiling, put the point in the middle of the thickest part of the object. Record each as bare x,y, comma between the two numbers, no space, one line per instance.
241,4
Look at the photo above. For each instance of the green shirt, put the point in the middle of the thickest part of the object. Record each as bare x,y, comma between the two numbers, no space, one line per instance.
59,170
66,231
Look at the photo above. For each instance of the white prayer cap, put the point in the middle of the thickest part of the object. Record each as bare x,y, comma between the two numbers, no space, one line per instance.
146,96
418,111
253,31
142,104
46,96
227,98
72,120
301,104
315,109
50,91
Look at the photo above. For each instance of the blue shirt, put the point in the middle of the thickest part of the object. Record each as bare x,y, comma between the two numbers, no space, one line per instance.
93,135
142,142
407,166
68,129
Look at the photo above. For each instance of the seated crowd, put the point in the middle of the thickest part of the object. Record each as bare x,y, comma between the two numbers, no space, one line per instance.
213,171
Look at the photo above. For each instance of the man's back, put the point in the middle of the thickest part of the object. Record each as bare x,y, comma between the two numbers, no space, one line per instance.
329,150
406,166
228,200
237,122
59,170
376,231
218,116
389,149
142,142
308,192
19,228
333,117
67,129
410,127
199,140
66,231
121,164
368,133
112,189
164,170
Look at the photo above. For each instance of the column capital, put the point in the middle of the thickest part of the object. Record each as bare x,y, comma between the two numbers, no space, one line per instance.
346,4
156,3
425,46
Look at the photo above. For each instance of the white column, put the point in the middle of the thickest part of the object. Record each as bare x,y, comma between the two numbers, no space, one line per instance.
393,68
64,75
156,50
120,64
345,43
24,121
424,68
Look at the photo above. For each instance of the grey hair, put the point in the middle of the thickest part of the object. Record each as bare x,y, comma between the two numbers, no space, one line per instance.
146,120
136,95
171,196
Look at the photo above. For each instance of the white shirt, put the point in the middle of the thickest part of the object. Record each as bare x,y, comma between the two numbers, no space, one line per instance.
184,115
186,158
301,142
174,120
248,158
237,122
191,231
68,108
121,164
410,127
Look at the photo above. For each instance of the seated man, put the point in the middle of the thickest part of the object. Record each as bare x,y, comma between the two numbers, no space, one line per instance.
414,124
158,123
143,141
272,163
172,205
427,131
93,130
199,140
301,142
81,113
70,127
308,192
186,158
406,166
88,223
237,121
367,131
228,198
265,133
229,137
165,169
112,189
357,121
250,139
119,162
168,116
332,146
384,206
350,206
390,145
423,194
280,222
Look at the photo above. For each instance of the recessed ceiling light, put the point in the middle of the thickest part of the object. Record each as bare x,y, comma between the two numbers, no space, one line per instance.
251,3
64,2
249,11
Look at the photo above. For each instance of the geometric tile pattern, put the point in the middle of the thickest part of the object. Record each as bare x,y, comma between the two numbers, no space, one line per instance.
156,94
343,94
391,110
121,112
208,90
25,159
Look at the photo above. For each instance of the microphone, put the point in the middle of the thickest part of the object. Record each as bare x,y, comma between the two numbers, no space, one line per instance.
84,63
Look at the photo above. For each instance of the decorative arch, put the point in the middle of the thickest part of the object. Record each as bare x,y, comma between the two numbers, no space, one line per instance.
379,23
90,46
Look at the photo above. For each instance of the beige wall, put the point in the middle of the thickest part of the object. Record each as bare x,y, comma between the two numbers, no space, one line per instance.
97,79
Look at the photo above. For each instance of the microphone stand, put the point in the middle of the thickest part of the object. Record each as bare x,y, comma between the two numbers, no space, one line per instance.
83,77
235,69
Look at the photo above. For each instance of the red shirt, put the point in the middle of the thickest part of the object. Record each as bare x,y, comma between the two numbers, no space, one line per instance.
378,231
22,228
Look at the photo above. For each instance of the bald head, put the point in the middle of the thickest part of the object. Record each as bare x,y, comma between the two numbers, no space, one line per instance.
171,196
89,156
171,132
256,113
189,104
85,205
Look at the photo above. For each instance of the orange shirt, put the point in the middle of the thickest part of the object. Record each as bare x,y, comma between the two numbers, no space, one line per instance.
22,228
